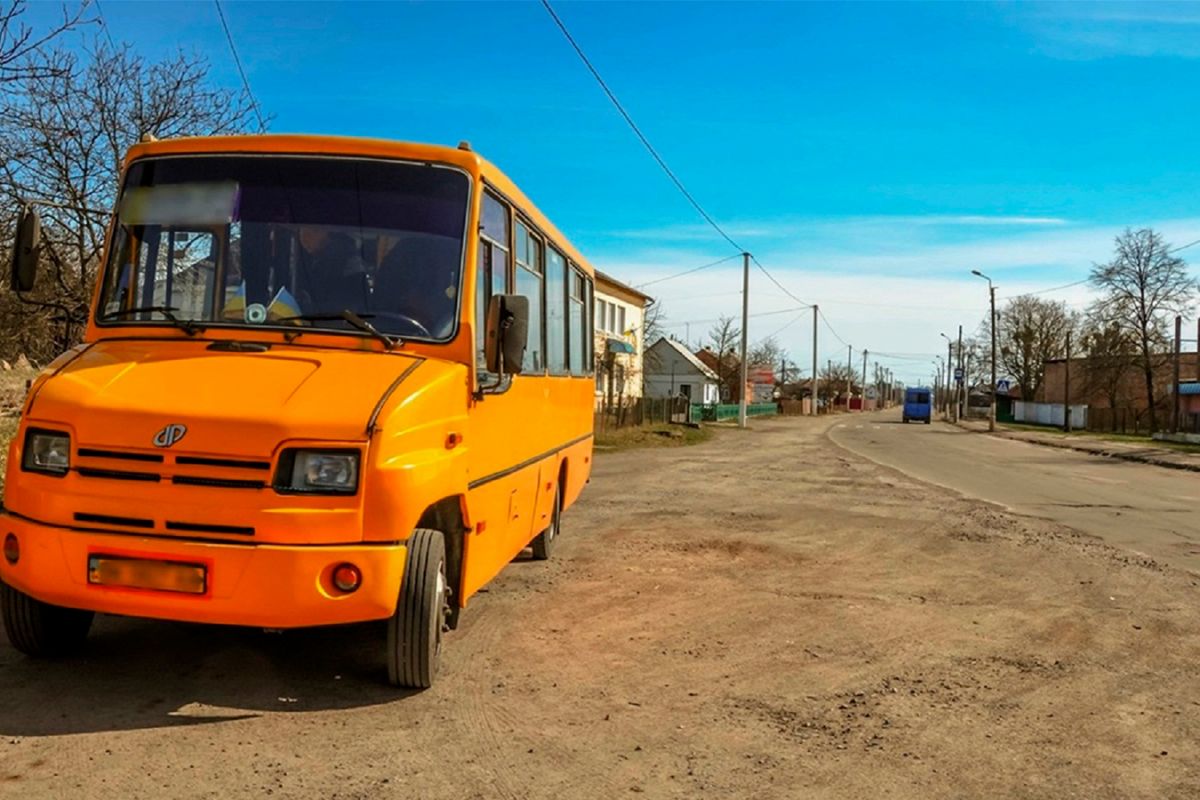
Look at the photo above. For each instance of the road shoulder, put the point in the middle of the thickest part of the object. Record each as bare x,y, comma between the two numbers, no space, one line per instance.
1096,446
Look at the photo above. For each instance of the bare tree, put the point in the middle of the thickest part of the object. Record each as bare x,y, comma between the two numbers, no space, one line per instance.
724,338
22,47
1111,353
837,375
63,135
653,329
766,353
1143,287
1029,331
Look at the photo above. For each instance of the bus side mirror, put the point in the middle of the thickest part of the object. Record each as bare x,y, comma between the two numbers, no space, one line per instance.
27,249
507,333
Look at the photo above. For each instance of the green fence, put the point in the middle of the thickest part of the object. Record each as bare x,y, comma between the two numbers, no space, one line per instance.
726,411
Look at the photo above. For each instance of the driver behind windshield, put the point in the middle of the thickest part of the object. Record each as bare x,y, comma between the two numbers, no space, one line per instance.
337,275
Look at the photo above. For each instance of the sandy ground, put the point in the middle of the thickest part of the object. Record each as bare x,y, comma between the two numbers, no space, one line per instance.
761,616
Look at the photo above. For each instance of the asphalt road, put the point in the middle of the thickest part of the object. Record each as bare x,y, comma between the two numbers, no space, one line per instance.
1146,509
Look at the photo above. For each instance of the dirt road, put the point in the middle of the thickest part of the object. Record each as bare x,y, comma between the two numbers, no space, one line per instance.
763,616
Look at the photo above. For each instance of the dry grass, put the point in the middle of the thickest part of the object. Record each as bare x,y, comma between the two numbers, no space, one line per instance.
12,394
658,435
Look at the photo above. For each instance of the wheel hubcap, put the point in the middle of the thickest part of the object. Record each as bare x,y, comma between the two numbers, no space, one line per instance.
443,601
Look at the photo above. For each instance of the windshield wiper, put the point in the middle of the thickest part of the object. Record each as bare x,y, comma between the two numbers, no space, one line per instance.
186,325
357,320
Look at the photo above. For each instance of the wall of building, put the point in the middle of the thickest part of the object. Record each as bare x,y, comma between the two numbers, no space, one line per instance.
1090,381
670,371
619,315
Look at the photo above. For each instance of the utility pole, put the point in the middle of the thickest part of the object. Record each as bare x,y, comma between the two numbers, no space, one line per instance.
816,381
949,369
829,388
850,374
1175,388
863,405
745,326
958,388
1067,388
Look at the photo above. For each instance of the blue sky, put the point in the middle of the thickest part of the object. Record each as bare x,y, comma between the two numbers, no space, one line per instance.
870,155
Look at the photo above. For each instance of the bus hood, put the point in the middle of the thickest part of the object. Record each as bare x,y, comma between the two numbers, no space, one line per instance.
125,394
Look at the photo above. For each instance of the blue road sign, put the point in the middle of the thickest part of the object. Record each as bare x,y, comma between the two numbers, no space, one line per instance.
1002,385
958,374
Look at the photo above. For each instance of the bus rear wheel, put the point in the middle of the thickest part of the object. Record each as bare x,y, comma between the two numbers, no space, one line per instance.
39,629
414,642
543,543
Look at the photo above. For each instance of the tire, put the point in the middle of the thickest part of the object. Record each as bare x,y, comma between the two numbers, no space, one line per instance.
543,543
39,629
414,641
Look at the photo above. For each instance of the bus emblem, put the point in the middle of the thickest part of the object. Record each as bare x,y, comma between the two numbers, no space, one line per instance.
169,435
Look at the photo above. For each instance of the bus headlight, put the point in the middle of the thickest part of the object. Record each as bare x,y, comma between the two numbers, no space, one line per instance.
48,452
318,471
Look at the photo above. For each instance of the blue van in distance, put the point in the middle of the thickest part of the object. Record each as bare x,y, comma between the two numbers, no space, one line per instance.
918,404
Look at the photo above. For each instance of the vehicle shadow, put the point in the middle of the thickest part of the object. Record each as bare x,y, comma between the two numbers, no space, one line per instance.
137,674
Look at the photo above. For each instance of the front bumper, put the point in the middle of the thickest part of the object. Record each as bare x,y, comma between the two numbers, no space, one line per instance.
264,585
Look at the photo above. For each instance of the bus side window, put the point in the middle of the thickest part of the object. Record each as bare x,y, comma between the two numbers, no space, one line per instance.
589,306
491,276
556,312
578,317
529,283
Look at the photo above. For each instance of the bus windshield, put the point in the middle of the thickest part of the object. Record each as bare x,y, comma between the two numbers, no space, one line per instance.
288,241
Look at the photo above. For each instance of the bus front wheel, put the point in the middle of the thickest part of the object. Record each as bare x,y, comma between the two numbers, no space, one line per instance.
39,629
415,630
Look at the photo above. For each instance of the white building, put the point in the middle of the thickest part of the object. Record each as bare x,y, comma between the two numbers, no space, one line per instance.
673,370
620,317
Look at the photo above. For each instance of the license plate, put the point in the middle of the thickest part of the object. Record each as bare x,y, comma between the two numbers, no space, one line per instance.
138,573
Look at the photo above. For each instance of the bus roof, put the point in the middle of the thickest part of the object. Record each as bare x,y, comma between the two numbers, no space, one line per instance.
310,144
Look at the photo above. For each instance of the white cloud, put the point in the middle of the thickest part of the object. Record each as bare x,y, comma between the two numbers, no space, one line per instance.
1099,30
880,284
780,228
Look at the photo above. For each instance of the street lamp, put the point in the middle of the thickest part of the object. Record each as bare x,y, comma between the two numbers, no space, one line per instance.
992,297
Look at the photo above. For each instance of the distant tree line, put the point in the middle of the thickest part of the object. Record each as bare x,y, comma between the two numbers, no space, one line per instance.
1127,330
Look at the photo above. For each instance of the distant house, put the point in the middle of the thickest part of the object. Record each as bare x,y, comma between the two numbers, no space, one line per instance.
620,321
672,370
728,369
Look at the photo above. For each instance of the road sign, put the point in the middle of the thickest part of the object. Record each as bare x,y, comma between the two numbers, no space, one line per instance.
958,374
870,392
1002,386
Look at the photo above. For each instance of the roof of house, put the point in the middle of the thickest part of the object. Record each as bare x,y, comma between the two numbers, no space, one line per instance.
689,356
602,277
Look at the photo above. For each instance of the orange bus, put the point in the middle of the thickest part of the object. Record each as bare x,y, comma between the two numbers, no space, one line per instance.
325,380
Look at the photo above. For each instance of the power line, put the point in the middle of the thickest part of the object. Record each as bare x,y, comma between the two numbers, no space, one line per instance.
793,321
637,131
262,125
1088,279
781,287
104,26
718,319
1052,288
821,314
688,272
